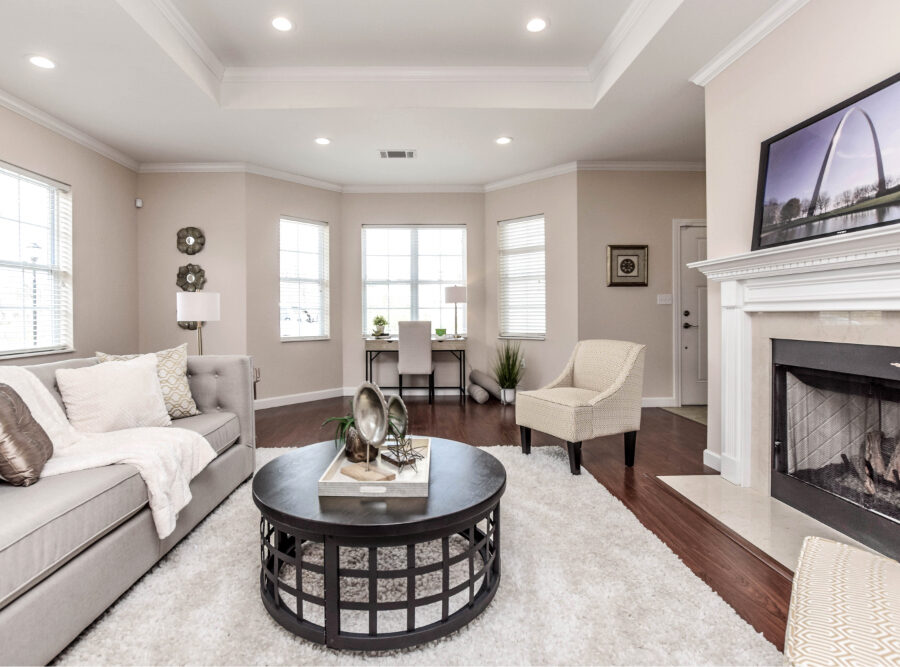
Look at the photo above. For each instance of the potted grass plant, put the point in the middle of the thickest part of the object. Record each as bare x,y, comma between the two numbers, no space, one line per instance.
509,366
379,322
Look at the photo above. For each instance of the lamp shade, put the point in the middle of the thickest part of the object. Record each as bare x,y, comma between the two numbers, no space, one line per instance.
455,294
197,306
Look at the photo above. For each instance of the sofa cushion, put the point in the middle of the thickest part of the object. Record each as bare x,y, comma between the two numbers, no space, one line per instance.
221,429
48,523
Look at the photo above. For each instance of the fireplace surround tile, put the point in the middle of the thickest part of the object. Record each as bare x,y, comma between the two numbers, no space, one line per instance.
774,527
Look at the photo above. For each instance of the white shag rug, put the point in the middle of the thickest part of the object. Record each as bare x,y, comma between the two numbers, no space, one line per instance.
583,582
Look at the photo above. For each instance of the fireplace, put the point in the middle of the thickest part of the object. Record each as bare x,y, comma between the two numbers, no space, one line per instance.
836,428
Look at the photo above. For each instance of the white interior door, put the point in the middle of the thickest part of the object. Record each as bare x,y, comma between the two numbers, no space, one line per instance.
692,312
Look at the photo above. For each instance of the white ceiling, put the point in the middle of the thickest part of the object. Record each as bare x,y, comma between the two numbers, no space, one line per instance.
402,32
211,81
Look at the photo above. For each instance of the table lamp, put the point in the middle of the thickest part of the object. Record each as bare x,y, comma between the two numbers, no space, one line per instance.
197,307
455,294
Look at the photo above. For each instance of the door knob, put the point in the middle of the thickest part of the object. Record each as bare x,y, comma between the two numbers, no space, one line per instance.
688,326
687,313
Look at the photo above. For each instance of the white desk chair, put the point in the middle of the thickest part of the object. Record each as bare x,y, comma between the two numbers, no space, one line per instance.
415,353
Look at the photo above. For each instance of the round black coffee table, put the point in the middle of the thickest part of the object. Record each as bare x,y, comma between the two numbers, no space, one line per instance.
315,551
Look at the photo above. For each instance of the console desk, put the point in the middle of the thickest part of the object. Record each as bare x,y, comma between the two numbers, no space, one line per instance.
455,346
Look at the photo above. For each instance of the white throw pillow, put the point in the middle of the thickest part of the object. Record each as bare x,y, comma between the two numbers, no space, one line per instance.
111,397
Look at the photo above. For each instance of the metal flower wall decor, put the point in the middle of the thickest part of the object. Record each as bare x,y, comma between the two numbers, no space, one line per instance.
190,240
191,277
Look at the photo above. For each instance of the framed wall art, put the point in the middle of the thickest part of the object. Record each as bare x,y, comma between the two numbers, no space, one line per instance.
626,265
834,173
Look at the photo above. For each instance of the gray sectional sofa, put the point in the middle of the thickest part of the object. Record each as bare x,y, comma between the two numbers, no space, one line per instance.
70,545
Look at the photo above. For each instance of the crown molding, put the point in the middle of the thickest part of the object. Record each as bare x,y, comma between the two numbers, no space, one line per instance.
771,19
592,165
166,26
406,74
191,37
600,165
412,189
54,124
532,176
234,168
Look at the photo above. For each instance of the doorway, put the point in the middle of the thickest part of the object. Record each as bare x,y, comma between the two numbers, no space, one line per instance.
689,363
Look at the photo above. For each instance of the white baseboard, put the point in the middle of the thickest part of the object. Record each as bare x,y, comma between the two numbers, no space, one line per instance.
712,459
410,391
658,402
291,399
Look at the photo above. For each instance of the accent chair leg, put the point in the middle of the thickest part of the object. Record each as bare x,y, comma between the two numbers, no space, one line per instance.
525,434
630,440
431,387
401,385
574,457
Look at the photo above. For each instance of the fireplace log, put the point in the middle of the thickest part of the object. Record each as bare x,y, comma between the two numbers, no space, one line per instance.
872,453
892,470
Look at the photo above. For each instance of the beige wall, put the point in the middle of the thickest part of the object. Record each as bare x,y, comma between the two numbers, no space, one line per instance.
104,233
295,366
408,209
817,58
631,207
216,204
557,199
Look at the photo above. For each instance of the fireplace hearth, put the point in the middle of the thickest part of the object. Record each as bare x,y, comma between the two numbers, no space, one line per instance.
836,428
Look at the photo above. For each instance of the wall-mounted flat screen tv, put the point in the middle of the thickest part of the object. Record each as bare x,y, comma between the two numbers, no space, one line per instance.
835,173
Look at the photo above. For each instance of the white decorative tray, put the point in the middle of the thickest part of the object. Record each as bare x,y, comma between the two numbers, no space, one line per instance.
407,483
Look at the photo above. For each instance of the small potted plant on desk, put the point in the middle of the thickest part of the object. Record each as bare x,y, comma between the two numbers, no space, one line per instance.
509,367
379,323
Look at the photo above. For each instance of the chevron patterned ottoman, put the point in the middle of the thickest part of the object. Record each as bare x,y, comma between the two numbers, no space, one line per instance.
845,607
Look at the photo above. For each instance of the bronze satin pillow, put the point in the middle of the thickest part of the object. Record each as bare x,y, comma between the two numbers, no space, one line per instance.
24,445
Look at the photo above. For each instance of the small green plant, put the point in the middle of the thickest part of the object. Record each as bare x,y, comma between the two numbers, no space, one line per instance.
343,425
509,365
380,321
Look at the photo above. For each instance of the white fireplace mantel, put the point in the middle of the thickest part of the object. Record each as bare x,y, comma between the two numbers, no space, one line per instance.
858,271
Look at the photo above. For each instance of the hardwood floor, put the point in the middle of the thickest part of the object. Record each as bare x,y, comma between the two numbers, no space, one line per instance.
757,587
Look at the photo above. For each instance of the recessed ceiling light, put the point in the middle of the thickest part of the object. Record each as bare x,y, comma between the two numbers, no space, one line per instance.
536,24
42,62
281,23
323,141
503,140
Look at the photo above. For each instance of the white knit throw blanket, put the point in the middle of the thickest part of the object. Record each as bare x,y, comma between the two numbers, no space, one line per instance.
166,458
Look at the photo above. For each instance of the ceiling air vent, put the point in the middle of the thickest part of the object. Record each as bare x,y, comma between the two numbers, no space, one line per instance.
397,154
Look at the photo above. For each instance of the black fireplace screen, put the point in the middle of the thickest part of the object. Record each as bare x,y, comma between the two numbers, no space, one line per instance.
841,436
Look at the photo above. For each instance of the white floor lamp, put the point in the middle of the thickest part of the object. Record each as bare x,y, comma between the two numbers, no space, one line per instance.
455,294
199,307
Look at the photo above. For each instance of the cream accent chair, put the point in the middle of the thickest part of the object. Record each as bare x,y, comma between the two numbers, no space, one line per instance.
598,393
414,357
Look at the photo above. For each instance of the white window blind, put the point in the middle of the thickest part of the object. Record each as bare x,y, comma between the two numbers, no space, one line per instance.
305,292
405,270
523,282
35,264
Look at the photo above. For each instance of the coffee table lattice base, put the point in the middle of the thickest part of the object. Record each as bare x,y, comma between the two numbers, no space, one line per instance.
318,590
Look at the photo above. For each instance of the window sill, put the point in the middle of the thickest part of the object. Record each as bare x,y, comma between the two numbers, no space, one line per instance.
304,339
37,353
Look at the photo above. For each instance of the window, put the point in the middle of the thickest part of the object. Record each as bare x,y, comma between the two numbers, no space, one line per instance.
35,264
523,282
405,271
305,292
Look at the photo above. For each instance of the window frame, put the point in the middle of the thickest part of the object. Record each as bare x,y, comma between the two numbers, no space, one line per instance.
413,281
324,280
59,268
513,335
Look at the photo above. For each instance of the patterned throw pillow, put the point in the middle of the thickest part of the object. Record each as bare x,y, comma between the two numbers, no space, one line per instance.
171,366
